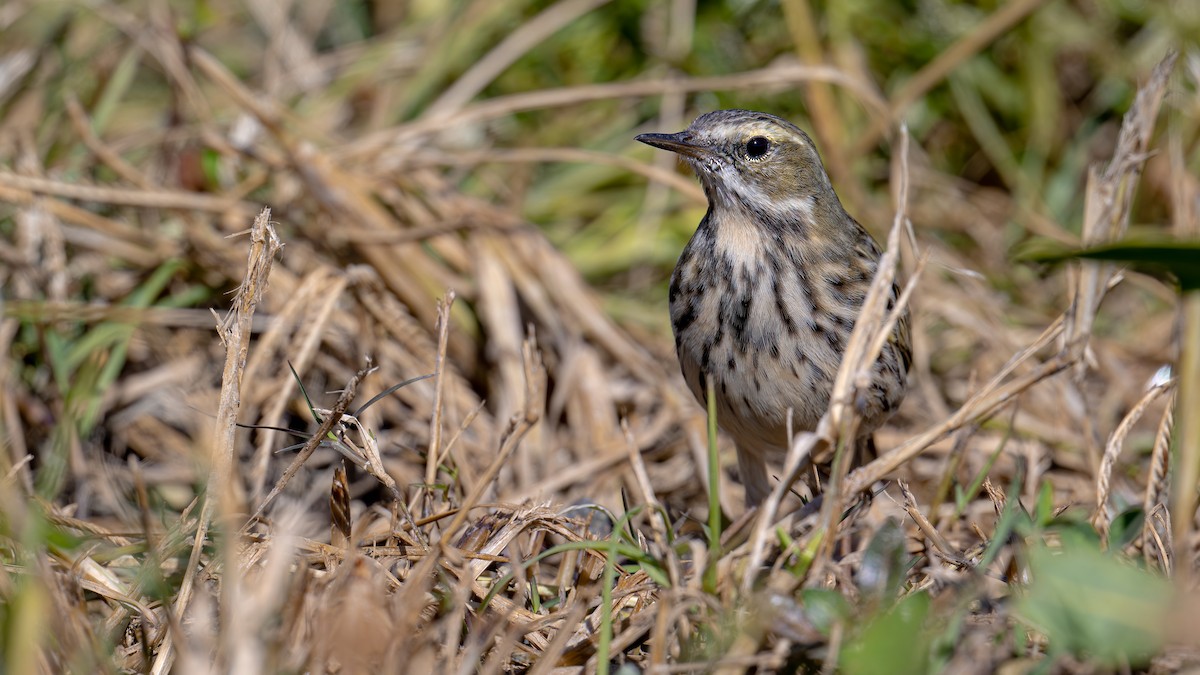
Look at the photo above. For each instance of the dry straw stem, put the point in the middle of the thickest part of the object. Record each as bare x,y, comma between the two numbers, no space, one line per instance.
990,398
838,425
111,159
873,328
434,453
773,77
143,198
1187,467
52,312
535,387
528,35
295,335
1185,211
827,122
1109,201
1105,215
931,533
339,509
1156,487
220,492
1101,519
667,176
332,420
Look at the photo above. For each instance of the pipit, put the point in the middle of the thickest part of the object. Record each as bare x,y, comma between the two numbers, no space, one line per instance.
765,295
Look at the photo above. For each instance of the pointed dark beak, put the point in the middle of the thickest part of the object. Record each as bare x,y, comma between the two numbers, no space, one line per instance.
678,143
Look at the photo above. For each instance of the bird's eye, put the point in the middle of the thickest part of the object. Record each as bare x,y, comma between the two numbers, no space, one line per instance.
757,147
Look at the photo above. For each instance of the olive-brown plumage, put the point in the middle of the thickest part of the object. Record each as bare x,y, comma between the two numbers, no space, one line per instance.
765,295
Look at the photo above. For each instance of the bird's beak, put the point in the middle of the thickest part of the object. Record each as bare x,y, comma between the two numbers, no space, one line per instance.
680,143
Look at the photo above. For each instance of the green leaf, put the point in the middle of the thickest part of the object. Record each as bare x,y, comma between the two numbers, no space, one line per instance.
1073,526
1153,255
1094,605
963,497
825,608
1125,528
883,570
1045,505
893,642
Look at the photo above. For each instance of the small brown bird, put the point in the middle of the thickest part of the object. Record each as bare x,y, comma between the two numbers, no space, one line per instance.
767,291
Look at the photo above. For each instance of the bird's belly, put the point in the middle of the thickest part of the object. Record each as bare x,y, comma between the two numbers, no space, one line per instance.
771,348
760,371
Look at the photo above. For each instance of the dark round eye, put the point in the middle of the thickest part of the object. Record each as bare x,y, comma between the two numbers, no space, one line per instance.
757,146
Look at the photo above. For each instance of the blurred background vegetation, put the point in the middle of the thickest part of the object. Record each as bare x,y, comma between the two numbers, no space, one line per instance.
1025,113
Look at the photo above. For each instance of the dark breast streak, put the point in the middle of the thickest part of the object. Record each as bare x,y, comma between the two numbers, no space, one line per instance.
752,316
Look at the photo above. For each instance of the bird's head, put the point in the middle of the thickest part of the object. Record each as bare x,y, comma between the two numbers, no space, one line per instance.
752,161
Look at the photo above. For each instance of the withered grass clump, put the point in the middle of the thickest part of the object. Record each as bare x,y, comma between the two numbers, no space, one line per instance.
432,421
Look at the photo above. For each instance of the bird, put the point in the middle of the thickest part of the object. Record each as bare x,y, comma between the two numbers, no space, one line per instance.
766,292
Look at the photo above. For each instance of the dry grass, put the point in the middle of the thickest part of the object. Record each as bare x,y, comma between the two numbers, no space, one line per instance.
262,497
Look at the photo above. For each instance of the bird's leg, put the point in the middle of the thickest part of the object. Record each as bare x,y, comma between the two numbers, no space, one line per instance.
753,468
